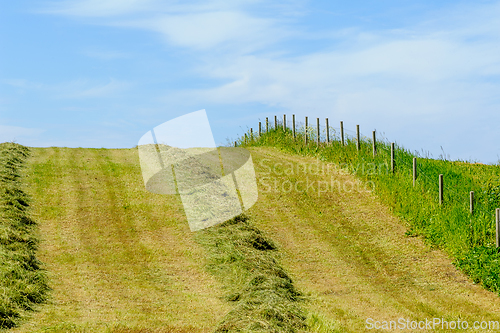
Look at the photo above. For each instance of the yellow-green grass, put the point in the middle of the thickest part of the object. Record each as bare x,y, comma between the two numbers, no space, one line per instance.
468,238
120,259
350,254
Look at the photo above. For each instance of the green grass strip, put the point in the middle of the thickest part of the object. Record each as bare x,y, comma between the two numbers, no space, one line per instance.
23,283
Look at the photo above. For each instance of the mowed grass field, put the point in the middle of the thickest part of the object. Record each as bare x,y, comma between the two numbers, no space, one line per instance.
350,254
121,259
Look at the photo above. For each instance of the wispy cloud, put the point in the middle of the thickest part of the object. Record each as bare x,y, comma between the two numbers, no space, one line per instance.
422,67
459,46
76,89
112,8
22,83
209,30
445,68
89,89
96,8
200,25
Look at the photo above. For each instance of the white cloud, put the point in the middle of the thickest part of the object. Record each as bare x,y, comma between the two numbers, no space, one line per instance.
211,29
429,70
111,8
96,8
200,25
444,70
87,89
77,89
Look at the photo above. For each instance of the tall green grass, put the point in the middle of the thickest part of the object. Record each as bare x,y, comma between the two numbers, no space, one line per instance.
469,239
23,283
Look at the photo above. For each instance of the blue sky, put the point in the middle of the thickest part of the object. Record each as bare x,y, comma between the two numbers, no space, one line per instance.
101,73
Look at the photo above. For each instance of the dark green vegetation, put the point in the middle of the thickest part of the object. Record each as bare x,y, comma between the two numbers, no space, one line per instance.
469,239
264,297
23,283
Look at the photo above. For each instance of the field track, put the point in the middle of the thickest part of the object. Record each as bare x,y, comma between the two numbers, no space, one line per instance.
121,259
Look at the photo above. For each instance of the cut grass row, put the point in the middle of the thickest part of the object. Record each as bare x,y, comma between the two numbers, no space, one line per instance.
263,295
469,239
23,282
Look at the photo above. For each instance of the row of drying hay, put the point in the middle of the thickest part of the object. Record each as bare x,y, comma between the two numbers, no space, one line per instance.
263,295
23,282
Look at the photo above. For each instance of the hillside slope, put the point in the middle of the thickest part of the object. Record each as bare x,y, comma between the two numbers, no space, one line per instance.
351,254
121,259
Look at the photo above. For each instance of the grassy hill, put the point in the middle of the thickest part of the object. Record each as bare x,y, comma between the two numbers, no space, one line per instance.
121,259
467,237
118,256
351,254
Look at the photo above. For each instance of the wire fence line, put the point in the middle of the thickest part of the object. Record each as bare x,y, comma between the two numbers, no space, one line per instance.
320,132
334,134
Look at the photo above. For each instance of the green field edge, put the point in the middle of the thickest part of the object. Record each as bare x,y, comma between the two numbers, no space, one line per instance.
469,239
23,281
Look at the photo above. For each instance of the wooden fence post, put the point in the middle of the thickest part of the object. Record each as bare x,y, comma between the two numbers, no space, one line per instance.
358,143
471,202
235,143
374,145
327,132
497,238
293,125
267,124
305,132
275,123
440,189
317,126
284,123
260,129
251,134
414,171
342,132
393,162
